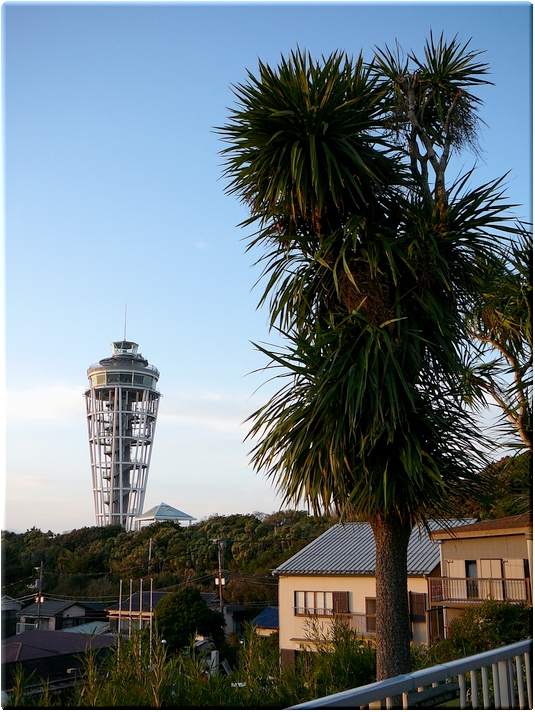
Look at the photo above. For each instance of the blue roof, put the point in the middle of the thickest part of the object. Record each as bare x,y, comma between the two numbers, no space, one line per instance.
269,618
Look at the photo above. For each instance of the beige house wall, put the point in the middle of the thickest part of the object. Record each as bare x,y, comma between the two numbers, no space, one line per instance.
74,612
494,547
293,628
511,549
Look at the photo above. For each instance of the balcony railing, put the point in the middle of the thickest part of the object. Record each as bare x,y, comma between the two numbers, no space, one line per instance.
477,590
23,627
360,622
499,679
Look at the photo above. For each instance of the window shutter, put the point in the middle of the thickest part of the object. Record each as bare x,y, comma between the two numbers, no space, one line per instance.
371,610
341,601
287,658
417,606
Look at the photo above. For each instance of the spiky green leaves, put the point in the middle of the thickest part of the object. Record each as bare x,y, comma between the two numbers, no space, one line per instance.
302,143
350,432
370,276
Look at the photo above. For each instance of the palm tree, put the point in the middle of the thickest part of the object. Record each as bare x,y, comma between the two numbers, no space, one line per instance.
369,284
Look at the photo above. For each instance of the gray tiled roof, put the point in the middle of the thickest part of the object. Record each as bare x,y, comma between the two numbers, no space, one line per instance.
350,549
46,643
49,608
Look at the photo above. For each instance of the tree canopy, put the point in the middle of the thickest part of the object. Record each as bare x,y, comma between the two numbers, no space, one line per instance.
183,614
89,562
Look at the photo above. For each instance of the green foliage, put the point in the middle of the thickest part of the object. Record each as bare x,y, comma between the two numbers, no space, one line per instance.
301,143
343,659
373,297
19,696
484,627
89,562
509,483
182,614
430,107
501,324
140,674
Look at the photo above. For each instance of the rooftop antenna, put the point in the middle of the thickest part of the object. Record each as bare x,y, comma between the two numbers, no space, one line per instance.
124,322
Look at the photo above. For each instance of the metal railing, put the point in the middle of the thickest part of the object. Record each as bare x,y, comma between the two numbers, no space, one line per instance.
499,679
476,590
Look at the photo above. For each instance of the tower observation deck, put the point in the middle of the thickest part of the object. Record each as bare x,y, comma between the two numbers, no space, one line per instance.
122,407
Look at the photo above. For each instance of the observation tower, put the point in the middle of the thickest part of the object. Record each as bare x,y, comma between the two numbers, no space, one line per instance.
122,406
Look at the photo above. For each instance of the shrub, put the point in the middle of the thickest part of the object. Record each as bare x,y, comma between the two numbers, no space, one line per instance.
342,659
484,627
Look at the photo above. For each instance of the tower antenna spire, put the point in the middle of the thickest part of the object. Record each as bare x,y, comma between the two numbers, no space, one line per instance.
125,305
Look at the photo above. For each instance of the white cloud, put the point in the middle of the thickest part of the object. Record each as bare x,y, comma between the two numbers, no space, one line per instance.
29,482
213,411
46,404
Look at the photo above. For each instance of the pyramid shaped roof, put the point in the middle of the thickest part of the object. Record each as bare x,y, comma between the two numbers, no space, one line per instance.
164,511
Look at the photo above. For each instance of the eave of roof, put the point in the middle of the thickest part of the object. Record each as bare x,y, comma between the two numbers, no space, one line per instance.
520,524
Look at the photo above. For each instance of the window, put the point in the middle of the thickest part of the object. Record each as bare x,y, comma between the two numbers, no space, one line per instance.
320,603
98,380
472,588
370,614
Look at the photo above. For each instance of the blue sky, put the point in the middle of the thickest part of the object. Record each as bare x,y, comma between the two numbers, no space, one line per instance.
113,194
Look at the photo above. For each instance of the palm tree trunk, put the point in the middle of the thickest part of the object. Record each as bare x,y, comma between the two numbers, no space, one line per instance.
392,608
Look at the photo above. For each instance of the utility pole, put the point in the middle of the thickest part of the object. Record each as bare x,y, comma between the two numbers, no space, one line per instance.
39,587
220,581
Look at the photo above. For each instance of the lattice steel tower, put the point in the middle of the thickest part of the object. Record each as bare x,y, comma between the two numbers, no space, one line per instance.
122,406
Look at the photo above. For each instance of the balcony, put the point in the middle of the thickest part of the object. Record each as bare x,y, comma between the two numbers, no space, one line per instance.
477,590
359,622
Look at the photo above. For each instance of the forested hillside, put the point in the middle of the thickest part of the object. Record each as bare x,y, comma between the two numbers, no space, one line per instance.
88,563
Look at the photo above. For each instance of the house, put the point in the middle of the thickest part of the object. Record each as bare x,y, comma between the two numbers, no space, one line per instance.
334,577
267,622
10,608
57,615
162,513
51,655
486,560
129,615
